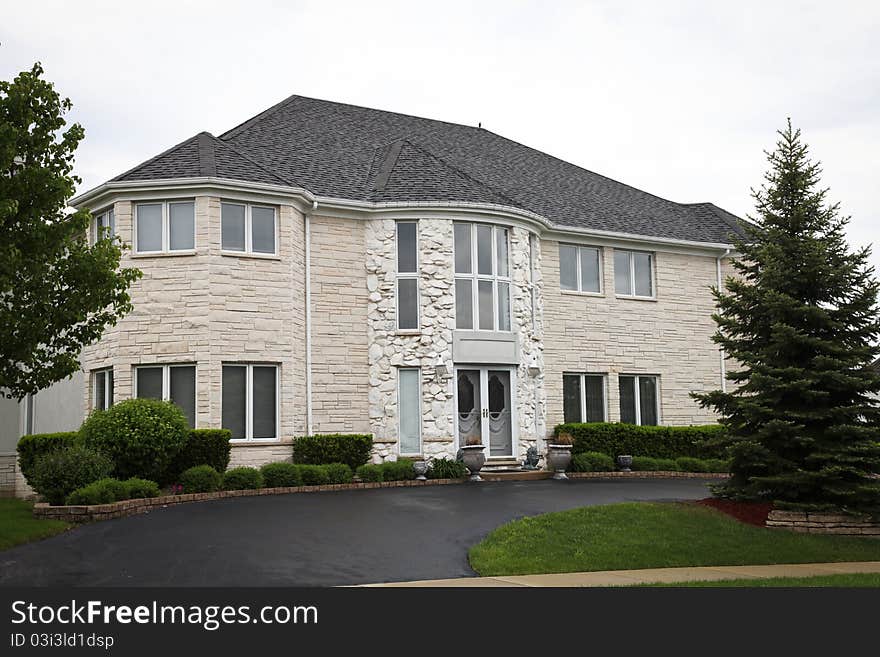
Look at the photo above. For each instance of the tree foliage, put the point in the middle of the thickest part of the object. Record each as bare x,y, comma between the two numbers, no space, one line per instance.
800,323
58,293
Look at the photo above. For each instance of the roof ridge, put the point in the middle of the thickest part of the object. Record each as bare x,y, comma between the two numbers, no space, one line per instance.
162,154
247,157
207,163
232,132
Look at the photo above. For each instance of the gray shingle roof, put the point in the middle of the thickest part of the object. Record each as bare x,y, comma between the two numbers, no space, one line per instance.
350,152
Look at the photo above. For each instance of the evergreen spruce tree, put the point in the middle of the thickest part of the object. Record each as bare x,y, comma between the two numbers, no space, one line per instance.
799,325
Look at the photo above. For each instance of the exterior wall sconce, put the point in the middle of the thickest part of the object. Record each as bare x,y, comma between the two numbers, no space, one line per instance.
534,367
441,370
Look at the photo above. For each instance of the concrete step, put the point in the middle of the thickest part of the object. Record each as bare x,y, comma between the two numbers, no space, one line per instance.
514,475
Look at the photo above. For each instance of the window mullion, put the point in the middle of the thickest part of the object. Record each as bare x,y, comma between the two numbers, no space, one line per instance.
632,273
583,398
248,228
166,240
249,402
638,400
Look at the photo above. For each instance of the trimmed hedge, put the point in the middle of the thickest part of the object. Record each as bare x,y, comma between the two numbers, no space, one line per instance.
31,447
143,437
370,472
445,468
656,441
281,474
353,449
242,478
399,470
204,447
338,473
682,464
591,462
200,479
106,491
313,475
58,473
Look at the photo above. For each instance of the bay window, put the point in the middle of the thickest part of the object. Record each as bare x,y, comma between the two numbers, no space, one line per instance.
175,383
482,277
102,389
639,401
104,225
165,226
250,401
246,228
633,273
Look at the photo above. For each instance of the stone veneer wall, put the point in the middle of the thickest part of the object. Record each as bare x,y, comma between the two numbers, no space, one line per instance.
8,466
669,336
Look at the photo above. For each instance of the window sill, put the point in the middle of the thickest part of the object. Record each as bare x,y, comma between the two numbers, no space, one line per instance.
165,254
415,332
256,442
578,293
632,297
256,256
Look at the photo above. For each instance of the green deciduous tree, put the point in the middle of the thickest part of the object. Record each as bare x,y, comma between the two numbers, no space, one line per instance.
58,293
801,323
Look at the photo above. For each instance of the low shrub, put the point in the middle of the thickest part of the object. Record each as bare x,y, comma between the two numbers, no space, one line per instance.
242,478
592,462
445,468
702,441
352,449
33,446
200,479
338,473
644,463
370,472
688,464
143,437
57,474
204,447
667,465
140,488
717,465
281,474
103,491
313,475
398,470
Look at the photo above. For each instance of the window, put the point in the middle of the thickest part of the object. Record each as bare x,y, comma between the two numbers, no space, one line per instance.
165,226
482,277
28,415
583,397
250,401
176,383
248,228
633,273
104,225
639,401
407,275
102,389
580,268
410,410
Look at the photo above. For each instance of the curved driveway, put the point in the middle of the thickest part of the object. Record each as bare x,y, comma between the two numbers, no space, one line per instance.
323,539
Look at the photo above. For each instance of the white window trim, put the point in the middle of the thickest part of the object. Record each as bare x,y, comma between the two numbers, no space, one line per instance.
583,392
632,276
249,230
166,228
108,387
166,383
494,278
418,370
601,264
637,395
414,275
96,222
249,402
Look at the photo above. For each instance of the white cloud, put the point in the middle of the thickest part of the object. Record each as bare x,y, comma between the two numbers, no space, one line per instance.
677,98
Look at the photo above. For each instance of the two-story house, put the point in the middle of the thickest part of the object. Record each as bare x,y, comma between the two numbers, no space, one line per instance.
330,268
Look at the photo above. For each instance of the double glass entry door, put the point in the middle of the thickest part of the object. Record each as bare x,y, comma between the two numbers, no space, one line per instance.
484,409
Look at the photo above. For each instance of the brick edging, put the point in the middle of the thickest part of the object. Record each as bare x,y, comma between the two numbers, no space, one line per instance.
90,513
648,474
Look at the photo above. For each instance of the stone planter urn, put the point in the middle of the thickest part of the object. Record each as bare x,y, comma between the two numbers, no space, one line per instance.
624,462
420,467
558,459
473,458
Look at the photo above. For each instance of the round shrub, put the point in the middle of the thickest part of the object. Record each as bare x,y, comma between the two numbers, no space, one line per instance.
644,463
689,464
338,473
667,465
57,474
242,479
592,462
398,470
369,472
200,479
141,436
140,488
313,475
103,491
444,468
276,475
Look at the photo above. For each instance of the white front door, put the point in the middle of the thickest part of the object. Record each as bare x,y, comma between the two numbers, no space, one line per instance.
484,410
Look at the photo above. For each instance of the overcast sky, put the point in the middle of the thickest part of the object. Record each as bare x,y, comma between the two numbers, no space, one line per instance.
676,98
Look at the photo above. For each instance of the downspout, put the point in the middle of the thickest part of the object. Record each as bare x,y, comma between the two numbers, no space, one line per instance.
721,351
308,290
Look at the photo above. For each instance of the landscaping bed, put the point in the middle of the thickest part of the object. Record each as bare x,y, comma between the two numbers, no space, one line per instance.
752,513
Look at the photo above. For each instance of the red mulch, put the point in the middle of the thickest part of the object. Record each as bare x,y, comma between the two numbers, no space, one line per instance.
753,513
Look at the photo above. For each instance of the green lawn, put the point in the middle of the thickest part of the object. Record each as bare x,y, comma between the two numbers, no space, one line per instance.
17,525
651,535
867,580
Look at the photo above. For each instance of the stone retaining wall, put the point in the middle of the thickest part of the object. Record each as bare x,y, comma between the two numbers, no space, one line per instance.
824,523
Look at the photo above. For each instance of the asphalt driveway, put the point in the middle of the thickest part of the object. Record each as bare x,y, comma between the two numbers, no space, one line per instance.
314,539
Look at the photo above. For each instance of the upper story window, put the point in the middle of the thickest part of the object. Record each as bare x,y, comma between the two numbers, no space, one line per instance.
639,401
407,275
176,383
482,277
247,228
104,225
580,268
634,273
165,226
